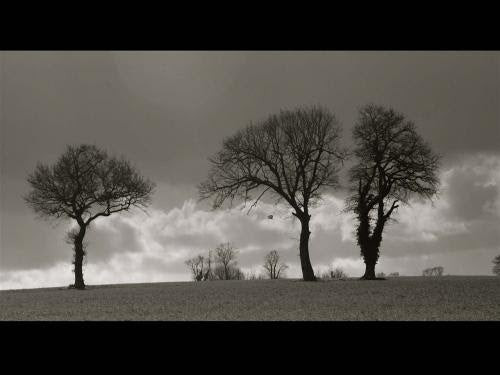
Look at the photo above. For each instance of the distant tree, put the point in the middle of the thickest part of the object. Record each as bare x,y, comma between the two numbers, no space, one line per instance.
294,155
197,267
338,274
393,164
272,265
225,255
84,184
251,275
434,271
237,274
394,274
232,272
496,267
380,275
208,275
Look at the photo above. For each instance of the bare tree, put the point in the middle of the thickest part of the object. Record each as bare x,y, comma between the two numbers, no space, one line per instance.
201,267
496,267
253,275
196,265
293,155
84,184
274,268
208,274
225,255
393,163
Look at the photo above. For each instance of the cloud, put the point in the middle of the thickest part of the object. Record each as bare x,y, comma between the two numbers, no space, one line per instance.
139,247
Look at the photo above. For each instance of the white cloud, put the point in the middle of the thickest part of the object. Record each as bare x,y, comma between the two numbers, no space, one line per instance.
136,247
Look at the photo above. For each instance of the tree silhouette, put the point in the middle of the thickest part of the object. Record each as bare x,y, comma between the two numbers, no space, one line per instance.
393,163
274,268
293,155
84,184
496,267
197,267
225,257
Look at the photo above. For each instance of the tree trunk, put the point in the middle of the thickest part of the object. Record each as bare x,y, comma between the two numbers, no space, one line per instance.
305,262
79,254
369,269
370,244
370,256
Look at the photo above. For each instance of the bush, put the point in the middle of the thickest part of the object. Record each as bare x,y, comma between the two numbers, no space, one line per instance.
338,274
333,274
234,273
434,271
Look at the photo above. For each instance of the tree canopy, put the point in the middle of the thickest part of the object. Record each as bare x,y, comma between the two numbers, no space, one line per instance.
86,183
293,155
393,163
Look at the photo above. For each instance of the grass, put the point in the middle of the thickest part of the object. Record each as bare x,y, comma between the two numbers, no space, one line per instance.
399,298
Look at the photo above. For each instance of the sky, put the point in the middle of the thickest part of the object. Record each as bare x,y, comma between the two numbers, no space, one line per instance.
168,111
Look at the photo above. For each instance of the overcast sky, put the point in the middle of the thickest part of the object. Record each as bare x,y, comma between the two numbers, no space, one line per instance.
168,111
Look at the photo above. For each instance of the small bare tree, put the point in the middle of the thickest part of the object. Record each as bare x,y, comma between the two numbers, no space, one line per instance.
225,255
393,163
201,267
294,155
84,184
196,265
496,267
338,274
272,265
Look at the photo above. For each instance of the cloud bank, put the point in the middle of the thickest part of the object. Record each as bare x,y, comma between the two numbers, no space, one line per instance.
459,231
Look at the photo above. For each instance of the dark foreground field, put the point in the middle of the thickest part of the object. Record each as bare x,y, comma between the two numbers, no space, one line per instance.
402,298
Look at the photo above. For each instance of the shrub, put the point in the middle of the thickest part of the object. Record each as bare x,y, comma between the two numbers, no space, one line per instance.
434,271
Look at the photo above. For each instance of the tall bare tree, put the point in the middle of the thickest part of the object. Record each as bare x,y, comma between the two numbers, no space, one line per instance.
225,255
293,155
84,184
274,268
393,164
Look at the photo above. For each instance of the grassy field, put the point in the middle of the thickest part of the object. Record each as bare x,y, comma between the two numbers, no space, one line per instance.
401,298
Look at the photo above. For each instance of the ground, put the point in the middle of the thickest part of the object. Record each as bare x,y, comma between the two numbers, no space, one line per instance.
398,298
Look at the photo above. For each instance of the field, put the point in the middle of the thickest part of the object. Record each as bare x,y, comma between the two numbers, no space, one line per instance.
400,298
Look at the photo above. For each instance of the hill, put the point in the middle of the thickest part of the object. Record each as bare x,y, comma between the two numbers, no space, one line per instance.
399,298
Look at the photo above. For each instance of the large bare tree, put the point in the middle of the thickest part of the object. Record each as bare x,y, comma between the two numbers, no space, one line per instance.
273,266
293,155
393,164
84,184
